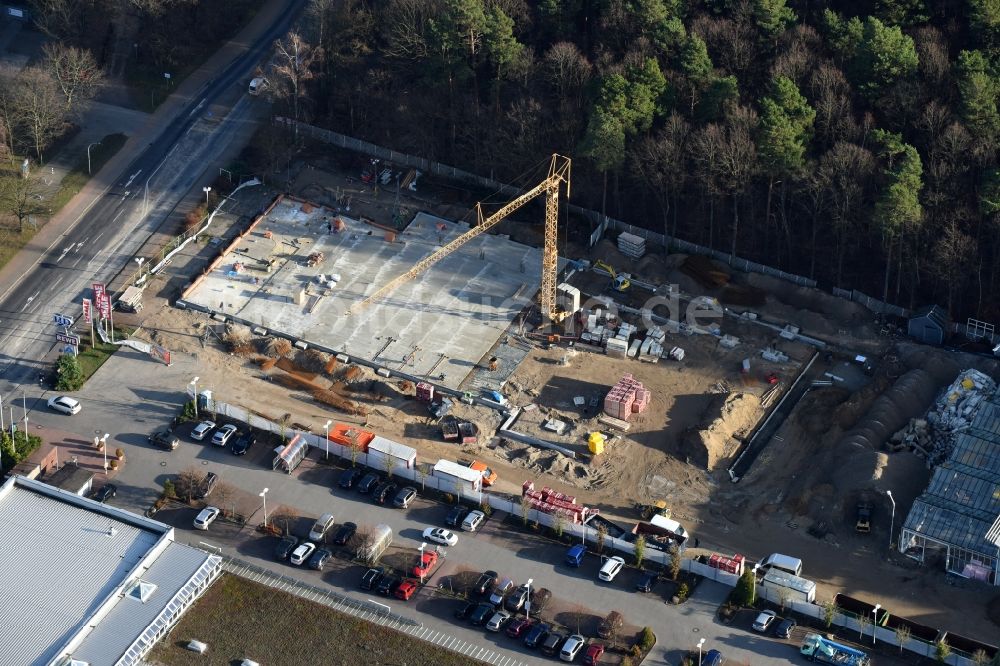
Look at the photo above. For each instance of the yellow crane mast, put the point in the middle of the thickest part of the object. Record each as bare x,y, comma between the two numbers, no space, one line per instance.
559,172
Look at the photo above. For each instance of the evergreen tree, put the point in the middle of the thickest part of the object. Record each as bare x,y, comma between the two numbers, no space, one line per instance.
978,89
885,56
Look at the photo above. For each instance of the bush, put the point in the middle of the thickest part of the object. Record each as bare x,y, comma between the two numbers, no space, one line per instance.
168,489
69,374
635,651
743,592
683,591
21,448
188,413
648,639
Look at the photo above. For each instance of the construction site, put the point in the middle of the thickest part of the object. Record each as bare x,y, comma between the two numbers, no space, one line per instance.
618,373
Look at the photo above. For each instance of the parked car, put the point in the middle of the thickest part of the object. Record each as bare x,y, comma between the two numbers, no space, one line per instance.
592,655
497,620
473,520
285,547
610,625
382,494
207,485
224,434
462,612
574,556
344,534
368,483
65,404
486,581
388,584
201,430
428,559
321,527
713,658
404,497
519,626
164,439
243,443
536,634
106,492
764,620
647,581
610,569
349,477
455,516
205,517
500,591
552,643
320,558
481,613
302,553
784,628
572,647
441,536
370,579
516,599
407,589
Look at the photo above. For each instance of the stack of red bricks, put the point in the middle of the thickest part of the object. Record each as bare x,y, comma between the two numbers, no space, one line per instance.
626,398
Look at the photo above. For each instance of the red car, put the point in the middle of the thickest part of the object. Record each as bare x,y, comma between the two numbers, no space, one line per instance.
427,561
518,627
407,589
593,654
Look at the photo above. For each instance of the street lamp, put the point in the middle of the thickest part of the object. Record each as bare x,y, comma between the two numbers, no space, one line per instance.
700,643
422,546
88,155
875,621
194,382
892,519
326,427
527,599
104,441
206,190
263,495
140,261
753,595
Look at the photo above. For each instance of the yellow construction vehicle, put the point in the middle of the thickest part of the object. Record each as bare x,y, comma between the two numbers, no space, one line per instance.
619,282
559,173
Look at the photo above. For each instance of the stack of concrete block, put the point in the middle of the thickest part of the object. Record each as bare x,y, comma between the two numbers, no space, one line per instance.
631,245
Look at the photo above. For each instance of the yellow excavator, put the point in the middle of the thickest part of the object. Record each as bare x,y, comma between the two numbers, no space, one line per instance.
619,282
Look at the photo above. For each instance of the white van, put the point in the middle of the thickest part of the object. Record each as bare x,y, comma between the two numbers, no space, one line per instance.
790,565
321,527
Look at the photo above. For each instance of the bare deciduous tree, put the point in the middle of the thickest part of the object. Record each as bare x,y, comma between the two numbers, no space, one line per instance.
293,67
75,71
37,108
21,197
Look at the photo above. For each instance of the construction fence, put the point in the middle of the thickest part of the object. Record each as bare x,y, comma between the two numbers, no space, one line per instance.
873,304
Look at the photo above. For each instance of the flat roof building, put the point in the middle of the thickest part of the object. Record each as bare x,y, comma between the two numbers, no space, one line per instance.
88,583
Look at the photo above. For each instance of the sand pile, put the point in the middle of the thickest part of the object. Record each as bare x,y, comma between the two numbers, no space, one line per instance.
545,461
727,419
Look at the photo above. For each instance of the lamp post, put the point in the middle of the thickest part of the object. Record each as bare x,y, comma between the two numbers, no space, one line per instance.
140,261
422,546
892,518
527,599
104,441
263,496
88,155
206,190
194,382
875,621
326,427
753,594
700,643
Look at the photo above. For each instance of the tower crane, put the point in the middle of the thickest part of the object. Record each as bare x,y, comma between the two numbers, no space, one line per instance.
559,172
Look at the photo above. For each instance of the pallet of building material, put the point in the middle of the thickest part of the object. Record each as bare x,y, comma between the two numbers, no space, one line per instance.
612,422
631,245
705,271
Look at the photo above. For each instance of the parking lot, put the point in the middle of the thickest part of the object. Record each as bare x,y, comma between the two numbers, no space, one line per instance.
117,395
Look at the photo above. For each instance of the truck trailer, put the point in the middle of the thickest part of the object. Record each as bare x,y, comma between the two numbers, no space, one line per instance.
791,587
459,479
825,651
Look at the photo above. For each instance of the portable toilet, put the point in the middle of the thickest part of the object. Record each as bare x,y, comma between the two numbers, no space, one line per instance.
596,443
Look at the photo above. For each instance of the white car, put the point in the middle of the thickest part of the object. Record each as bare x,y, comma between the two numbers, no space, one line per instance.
498,620
223,434
65,404
572,647
201,430
473,521
441,536
764,620
302,552
611,568
206,518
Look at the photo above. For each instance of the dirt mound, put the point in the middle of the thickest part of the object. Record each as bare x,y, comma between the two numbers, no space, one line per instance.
546,461
312,360
724,422
608,252
807,298
652,268
706,272
738,294
273,347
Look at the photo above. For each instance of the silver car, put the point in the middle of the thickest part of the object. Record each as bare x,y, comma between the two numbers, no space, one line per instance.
498,620
206,517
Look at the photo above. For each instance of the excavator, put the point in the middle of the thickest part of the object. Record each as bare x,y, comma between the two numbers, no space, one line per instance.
619,282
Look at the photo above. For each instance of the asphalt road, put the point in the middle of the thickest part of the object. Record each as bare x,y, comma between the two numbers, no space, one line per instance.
131,396
115,224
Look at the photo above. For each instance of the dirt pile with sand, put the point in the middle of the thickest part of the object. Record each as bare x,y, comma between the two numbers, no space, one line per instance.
727,419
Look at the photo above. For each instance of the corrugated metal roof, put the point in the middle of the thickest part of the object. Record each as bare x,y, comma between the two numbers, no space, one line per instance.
129,617
63,555
395,449
459,471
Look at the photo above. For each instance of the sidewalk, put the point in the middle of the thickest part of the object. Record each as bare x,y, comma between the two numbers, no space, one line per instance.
144,129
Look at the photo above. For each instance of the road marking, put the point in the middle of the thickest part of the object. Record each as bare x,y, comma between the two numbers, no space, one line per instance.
120,211
195,109
98,237
58,280
132,177
125,196
28,302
